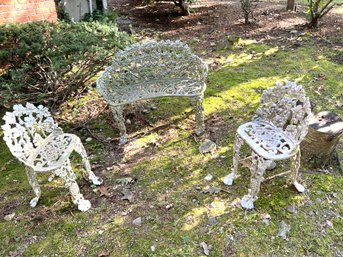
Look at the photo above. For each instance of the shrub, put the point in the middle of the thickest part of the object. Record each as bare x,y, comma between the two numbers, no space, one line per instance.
248,7
317,9
50,61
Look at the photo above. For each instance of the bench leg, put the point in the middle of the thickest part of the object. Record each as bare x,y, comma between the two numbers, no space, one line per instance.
199,116
119,118
31,175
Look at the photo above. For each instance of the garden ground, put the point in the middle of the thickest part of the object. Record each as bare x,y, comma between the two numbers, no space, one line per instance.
161,164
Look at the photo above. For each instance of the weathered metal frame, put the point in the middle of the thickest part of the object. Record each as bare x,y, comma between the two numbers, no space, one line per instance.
153,69
274,134
35,139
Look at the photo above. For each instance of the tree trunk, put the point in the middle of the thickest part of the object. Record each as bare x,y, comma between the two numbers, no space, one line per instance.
184,7
318,148
314,22
291,5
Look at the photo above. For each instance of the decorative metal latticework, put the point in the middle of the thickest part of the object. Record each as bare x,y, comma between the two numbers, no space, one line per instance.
153,69
35,139
275,133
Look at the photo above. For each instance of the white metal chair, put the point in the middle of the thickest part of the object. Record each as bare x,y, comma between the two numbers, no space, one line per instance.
274,134
34,138
153,69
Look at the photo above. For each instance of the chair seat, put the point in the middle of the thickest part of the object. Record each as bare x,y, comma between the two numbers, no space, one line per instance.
267,140
53,152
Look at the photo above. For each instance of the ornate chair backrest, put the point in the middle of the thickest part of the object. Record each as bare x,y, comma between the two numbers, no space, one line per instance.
151,69
25,128
288,108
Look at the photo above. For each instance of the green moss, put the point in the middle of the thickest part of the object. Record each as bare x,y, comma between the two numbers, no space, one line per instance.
174,176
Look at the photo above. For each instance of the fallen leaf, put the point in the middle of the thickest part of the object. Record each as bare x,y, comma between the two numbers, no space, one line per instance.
125,181
103,254
266,219
128,195
9,216
103,190
211,190
284,230
207,147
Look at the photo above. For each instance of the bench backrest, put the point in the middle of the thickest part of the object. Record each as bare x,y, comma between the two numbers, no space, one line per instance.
152,69
287,107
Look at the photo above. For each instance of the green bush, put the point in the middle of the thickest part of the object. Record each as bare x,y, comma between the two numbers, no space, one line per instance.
50,61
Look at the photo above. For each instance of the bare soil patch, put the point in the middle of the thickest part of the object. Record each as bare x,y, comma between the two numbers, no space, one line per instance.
211,20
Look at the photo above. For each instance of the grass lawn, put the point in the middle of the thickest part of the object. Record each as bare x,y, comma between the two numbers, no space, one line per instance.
163,158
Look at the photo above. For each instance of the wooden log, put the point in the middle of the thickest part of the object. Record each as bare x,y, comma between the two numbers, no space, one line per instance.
318,149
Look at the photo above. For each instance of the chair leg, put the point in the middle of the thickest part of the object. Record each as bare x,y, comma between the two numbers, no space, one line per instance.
119,118
228,180
197,102
32,177
295,166
79,148
66,173
257,169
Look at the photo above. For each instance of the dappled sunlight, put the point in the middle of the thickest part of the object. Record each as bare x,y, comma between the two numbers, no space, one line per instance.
338,10
162,156
197,215
234,60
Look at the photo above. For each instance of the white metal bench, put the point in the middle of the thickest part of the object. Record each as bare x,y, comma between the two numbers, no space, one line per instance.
153,69
34,138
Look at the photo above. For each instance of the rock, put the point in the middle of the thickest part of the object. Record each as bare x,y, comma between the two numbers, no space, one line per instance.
211,190
209,177
169,206
247,202
228,180
294,31
271,166
212,221
207,147
88,139
212,44
292,208
9,217
128,195
137,222
128,121
227,41
284,230
299,187
329,224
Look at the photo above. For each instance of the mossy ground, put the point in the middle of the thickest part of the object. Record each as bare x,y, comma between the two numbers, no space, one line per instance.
164,160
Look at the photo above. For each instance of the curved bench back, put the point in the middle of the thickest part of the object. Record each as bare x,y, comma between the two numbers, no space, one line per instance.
153,69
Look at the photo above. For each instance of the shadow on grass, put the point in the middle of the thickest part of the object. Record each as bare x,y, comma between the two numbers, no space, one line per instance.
168,193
